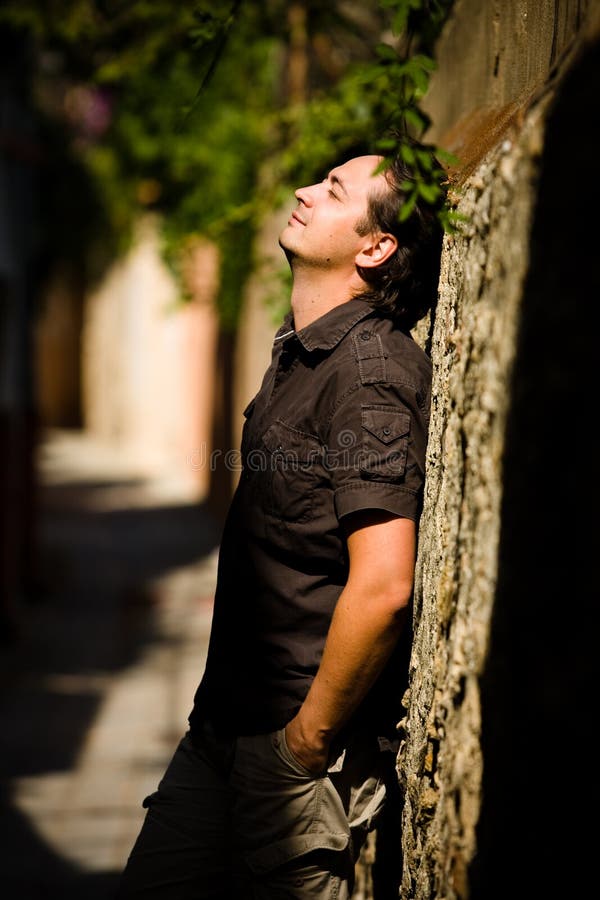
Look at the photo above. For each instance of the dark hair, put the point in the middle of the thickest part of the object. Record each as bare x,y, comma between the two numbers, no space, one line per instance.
405,286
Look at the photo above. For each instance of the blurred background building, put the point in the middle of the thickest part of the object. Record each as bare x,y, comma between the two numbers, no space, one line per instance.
143,184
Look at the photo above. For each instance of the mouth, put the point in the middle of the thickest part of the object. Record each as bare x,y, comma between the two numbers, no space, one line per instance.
296,218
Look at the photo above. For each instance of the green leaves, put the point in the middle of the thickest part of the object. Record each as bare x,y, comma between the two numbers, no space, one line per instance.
400,12
386,53
201,128
379,96
408,207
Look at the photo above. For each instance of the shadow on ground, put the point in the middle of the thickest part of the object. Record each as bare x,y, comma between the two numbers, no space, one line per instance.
103,547
35,872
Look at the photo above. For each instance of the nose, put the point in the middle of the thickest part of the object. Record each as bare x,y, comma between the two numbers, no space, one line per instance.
304,195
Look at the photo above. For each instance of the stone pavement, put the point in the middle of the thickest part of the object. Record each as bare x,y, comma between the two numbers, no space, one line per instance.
95,692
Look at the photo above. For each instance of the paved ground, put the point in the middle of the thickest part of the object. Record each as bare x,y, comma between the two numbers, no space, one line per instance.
95,692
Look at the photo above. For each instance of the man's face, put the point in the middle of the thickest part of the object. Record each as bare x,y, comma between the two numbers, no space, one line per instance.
321,230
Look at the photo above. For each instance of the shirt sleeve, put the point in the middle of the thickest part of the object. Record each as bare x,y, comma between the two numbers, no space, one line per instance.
375,452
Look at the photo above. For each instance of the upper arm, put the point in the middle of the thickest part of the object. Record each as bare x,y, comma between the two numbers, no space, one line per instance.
377,440
381,550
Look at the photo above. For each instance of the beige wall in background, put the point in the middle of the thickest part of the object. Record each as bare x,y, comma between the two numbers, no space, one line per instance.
259,319
57,334
148,363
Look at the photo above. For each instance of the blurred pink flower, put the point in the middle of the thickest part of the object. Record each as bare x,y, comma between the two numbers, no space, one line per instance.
89,110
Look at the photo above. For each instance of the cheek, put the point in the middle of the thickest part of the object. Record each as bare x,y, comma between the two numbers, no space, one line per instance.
335,235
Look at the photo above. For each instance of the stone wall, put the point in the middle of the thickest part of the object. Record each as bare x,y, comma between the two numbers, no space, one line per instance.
473,345
493,58
485,285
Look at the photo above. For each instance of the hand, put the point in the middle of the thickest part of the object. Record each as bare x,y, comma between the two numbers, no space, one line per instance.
313,753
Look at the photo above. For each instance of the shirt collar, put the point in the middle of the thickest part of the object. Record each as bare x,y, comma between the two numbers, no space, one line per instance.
328,330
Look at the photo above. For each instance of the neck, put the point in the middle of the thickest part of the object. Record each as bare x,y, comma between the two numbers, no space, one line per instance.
315,292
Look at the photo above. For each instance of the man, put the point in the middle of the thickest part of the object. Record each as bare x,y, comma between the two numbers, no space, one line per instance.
290,751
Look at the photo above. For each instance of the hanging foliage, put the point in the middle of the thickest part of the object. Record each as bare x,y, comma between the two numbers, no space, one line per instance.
208,113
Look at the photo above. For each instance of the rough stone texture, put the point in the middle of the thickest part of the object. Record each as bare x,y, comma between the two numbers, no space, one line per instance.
541,673
473,341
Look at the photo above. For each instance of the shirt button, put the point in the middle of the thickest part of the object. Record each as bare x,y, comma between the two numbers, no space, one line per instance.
365,335
387,431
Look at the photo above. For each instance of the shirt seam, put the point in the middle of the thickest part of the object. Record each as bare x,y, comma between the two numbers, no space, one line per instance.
351,390
364,485
356,385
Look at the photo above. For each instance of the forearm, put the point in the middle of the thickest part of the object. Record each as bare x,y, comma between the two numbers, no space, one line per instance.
363,633
362,636
368,619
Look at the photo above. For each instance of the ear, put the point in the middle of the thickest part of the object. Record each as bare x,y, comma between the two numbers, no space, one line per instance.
377,248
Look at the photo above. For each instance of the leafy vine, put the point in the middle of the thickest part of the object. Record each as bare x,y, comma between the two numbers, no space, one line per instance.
181,111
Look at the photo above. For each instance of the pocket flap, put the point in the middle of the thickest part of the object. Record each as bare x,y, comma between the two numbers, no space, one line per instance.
386,423
267,858
283,438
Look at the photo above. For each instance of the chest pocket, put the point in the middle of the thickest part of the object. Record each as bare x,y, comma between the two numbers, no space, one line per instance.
386,431
293,462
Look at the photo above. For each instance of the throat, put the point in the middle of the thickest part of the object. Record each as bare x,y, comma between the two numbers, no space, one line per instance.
315,293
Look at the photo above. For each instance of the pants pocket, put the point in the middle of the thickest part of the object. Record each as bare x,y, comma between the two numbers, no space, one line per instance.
281,812
281,748
266,859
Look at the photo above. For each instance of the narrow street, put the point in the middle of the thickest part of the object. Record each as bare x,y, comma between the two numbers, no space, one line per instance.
96,689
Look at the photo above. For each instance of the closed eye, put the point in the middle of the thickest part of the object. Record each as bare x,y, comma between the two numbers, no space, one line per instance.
334,180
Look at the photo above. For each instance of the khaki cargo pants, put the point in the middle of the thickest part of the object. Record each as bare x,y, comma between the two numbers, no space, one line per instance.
242,819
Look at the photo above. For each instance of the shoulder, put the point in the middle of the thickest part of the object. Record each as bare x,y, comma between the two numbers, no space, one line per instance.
383,353
374,362
405,357
380,364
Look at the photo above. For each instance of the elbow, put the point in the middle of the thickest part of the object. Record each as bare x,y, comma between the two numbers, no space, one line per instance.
384,594
401,599
395,600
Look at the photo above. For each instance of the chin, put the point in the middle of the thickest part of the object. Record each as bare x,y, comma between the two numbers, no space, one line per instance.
285,239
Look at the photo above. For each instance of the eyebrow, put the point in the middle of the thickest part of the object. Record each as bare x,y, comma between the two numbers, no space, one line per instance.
335,180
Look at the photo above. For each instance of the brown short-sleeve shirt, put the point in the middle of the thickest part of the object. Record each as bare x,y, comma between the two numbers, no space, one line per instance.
339,424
